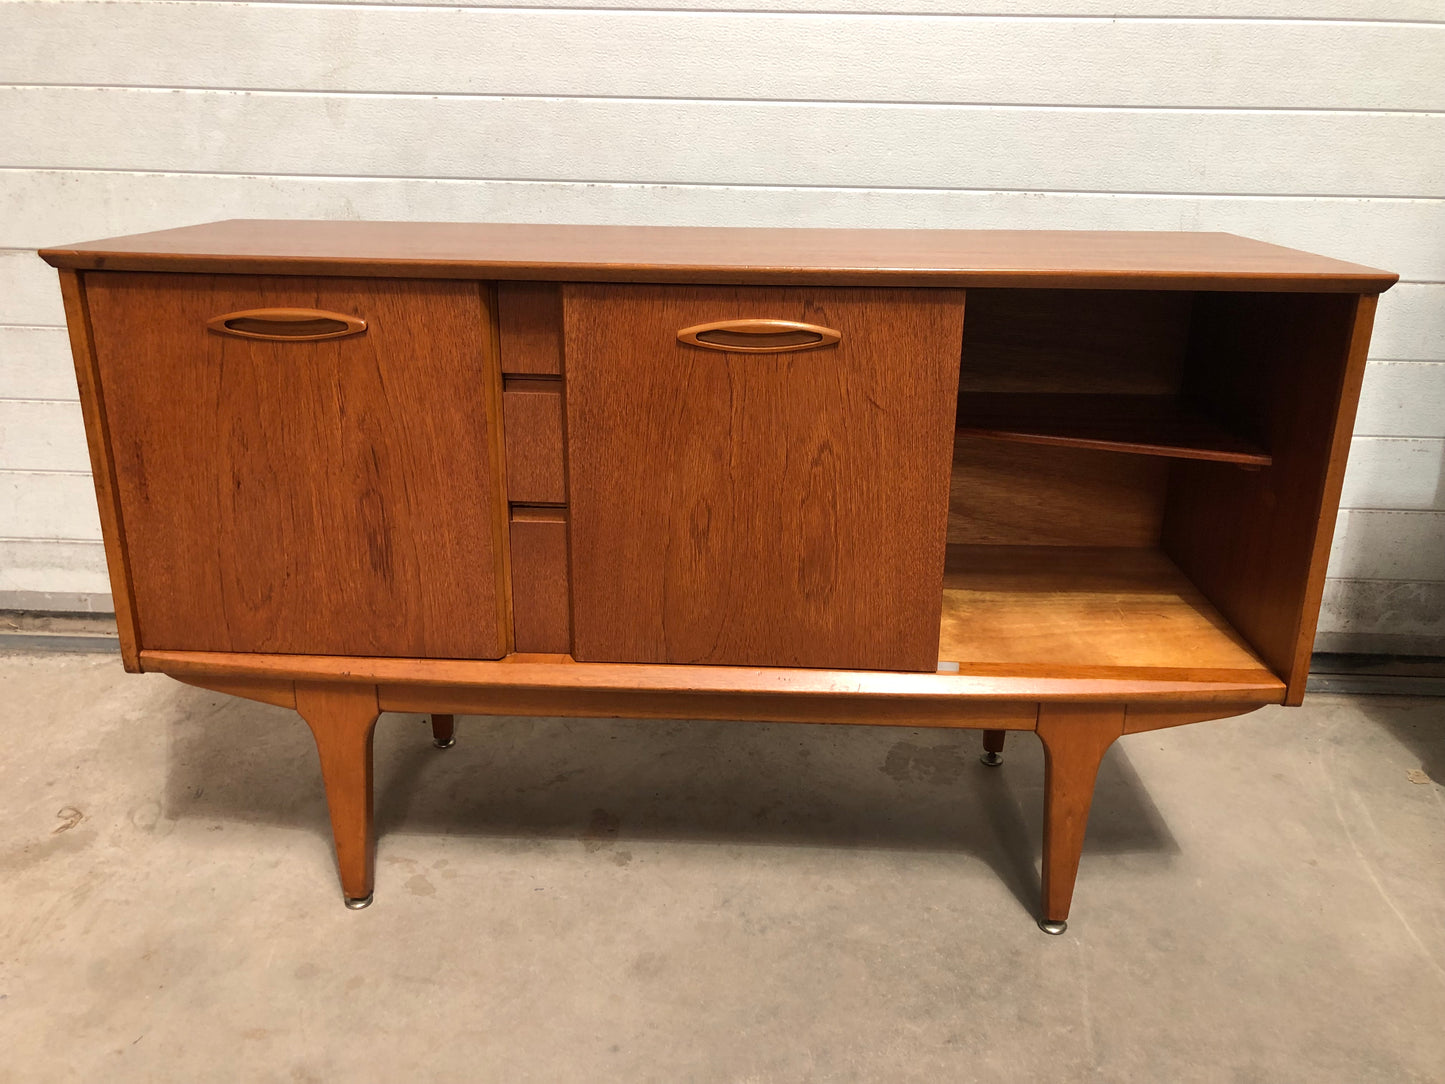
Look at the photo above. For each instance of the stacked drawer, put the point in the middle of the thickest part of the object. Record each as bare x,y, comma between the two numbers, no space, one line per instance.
530,332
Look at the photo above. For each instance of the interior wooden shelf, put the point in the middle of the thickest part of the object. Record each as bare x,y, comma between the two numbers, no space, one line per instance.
1063,607
1139,424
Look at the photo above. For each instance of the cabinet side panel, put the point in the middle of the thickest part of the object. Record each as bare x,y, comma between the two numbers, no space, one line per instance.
767,509
1285,370
336,497
102,469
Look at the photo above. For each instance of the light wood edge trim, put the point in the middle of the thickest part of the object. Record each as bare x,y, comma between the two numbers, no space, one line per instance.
280,693
562,271
561,673
1141,718
744,707
1348,402
353,325
1248,460
539,513
827,336
496,448
102,469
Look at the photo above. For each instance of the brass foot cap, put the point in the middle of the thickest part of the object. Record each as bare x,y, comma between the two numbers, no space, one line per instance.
358,904
1054,928
444,744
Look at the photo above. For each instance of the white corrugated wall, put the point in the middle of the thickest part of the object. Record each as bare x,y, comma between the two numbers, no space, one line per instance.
1313,123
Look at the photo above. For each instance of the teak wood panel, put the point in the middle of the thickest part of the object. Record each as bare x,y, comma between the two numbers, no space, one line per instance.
759,509
1074,342
334,497
541,606
1081,607
1286,370
529,324
1134,424
1036,495
102,468
1075,259
532,420
558,680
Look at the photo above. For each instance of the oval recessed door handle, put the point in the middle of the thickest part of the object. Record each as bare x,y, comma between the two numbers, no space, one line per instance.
287,325
758,336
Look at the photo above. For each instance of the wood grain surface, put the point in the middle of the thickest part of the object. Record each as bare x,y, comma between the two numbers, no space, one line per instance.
307,497
1285,370
1075,739
532,423
561,680
342,719
1074,342
1035,495
1062,606
541,602
1133,424
529,322
730,508
102,466
1077,259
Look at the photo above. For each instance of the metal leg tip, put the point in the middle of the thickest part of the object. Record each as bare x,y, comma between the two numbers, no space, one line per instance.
1051,927
447,744
358,904
992,760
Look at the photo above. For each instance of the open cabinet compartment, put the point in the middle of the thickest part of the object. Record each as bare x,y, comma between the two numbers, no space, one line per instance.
1139,481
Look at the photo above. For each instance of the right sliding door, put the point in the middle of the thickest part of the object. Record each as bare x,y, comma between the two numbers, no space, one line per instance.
759,476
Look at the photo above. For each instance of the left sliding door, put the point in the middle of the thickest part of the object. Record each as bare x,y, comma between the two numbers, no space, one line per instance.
305,465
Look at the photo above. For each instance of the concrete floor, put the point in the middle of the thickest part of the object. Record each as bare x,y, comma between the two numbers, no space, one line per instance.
1261,899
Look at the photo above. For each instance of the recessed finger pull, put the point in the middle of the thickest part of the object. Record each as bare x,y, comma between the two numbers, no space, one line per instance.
759,336
287,325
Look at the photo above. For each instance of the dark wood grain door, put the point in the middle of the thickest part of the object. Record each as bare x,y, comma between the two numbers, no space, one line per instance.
764,509
317,496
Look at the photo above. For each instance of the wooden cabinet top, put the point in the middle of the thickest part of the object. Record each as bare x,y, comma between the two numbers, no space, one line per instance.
981,258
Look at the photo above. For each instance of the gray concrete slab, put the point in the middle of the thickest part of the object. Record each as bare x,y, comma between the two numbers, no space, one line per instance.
1261,899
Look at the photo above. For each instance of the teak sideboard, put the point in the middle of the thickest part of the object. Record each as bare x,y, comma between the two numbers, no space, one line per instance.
1080,484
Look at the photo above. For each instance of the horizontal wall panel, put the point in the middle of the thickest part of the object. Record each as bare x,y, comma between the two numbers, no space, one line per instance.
29,289
35,364
1423,10
1410,323
1251,152
1379,616
1402,399
760,56
76,568
1395,472
36,505
1401,235
1389,546
42,436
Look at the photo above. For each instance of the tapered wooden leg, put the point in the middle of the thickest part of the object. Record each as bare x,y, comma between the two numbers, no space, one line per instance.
443,731
1075,737
993,747
342,718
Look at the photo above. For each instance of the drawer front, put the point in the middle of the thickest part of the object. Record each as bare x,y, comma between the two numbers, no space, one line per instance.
771,506
532,418
290,482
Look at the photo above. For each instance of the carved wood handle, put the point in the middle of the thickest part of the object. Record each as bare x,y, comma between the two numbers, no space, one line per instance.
758,336
287,325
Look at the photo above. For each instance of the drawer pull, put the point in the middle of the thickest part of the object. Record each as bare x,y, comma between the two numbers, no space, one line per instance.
758,336
287,325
